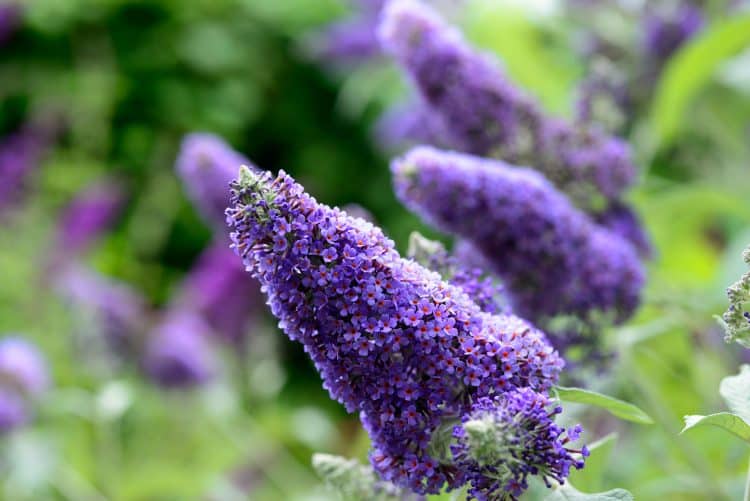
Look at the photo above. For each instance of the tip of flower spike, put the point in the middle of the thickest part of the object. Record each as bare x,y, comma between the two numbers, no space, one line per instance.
403,22
247,177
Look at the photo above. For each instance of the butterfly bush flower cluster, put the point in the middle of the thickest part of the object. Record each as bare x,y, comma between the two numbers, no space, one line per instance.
502,441
667,29
23,377
485,114
487,292
736,320
552,257
352,39
390,339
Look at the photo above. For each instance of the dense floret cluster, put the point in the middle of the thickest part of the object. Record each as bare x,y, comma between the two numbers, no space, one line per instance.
485,114
552,257
390,339
502,441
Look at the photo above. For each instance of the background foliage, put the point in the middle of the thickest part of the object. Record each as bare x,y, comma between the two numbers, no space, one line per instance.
130,77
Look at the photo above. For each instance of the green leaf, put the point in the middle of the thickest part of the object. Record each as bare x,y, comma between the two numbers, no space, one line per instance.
616,407
736,392
691,68
567,492
732,423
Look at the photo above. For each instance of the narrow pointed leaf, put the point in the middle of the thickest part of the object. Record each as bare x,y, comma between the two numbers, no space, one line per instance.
615,406
732,423
567,492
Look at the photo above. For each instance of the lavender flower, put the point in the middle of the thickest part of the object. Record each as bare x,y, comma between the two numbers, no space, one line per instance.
22,367
390,339
176,353
118,311
14,412
10,17
552,257
87,217
207,165
486,291
219,289
485,114
352,39
622,220
502,441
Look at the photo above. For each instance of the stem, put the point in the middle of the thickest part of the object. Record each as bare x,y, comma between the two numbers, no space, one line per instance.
746,497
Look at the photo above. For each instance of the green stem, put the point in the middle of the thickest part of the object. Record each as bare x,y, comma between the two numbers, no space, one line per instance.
746,497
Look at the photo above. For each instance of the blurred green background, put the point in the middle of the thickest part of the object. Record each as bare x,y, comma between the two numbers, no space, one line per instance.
130,77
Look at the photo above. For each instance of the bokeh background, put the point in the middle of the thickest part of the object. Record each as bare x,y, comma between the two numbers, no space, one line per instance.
98,94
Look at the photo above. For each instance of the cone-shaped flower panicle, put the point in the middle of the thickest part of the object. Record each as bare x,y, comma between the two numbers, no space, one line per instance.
22,366
502,441
117,310
89,215
486,291
207,165
552,258
390,339
485,114
177,353
220,290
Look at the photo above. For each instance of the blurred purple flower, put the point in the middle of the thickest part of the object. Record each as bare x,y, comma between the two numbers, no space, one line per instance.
120,313
621,219
409,123
20,153
89,215
666,30
13,411
22,367
10,18
219,289
177,354
552,258
485,114
207,165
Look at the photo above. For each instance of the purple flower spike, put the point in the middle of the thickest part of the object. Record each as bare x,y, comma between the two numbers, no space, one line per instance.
22,367
667,30
10,18
552,257
89,215
119,312
621,219
13,411
390,339
207,165
177,354
485,114
502,441
223,293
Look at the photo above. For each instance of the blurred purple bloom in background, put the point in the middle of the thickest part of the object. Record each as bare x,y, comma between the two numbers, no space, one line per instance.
390,338
485,114
219,289
22,366
206,164
552,257
87,217
23,377
352,39
666,30
177,354
622,219
20,154
409,123
10,18
119,312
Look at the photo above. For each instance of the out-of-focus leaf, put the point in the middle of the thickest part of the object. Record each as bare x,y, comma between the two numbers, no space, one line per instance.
591,477
616,407
732,423
567,492
691,68
736,392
